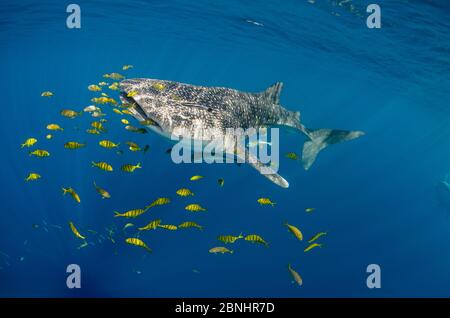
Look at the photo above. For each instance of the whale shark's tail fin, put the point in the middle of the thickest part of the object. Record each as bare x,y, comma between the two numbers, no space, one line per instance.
320,139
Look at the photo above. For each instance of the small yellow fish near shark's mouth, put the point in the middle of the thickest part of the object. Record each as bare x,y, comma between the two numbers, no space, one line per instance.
126,98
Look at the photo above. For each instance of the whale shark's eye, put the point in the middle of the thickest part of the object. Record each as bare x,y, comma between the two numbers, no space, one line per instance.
209,109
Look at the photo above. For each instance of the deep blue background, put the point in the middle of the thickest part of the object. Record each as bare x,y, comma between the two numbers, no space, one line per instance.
374,196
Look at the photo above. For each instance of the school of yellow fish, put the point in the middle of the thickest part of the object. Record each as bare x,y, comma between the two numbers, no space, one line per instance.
97,127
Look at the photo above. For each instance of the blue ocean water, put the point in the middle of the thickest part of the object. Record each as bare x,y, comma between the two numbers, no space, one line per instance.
374,196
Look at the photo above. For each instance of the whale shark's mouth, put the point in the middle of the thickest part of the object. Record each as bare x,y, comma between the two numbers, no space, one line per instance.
138,112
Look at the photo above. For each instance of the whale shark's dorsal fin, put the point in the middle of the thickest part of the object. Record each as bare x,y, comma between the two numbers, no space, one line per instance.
272,93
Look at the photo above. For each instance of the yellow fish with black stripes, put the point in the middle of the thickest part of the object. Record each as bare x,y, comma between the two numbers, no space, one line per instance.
93,131
133,146
98,125
72,192
150,226
138,242
190,224
130,168
169,227
135,129
256,239
265,201
73,145
33,176
103,166
54,127
229,238
132,93
159,201
114,86
194,208
292,155
39,153
108,144
29,142
114,76
94,88
131,213
127,112
184,192
69,113
104,100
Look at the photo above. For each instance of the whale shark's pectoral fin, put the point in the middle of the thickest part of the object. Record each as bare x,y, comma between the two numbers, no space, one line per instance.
265,170
270,174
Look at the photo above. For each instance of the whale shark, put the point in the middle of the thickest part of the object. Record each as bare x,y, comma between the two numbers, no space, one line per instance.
168,105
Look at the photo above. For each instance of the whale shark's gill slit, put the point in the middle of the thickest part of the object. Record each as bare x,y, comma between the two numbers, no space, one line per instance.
136,107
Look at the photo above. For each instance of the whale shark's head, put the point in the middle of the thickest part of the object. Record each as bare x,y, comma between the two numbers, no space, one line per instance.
171,107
